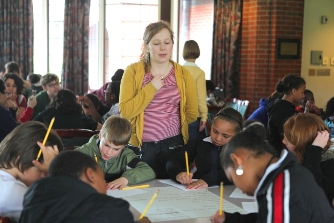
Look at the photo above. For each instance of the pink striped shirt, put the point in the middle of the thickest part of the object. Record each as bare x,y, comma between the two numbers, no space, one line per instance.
162,115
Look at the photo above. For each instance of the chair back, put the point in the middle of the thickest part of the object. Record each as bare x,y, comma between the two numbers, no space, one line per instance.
73,138
243,107
239,105
4,219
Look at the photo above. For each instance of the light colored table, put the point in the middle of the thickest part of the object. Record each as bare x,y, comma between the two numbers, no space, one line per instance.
227,191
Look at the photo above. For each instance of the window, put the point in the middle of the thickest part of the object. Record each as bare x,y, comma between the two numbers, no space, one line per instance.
48,36
125,22
196,23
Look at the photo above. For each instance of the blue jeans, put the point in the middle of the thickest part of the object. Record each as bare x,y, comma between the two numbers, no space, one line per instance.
193,129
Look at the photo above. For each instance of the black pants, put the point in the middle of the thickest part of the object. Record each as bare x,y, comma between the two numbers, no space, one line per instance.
156,154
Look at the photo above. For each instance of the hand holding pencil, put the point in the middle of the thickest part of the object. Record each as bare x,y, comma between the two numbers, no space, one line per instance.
49,153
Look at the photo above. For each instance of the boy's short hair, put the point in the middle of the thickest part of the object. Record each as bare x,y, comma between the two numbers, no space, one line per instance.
19,147
117,130
71,164
191,50
48,78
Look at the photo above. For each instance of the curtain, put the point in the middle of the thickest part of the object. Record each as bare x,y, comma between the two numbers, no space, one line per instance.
76,35
16,34
227,18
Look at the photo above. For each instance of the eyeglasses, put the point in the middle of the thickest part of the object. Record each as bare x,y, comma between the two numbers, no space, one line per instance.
106,92
54,85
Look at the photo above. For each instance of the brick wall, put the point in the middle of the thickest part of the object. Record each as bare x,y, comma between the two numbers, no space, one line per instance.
264,21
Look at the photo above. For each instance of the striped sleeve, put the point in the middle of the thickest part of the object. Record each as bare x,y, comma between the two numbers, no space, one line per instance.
278,197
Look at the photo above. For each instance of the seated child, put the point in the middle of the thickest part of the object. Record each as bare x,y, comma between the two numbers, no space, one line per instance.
18,167
112,97
205,153
284,190
120,165
93,107
307,137
51,86
76,192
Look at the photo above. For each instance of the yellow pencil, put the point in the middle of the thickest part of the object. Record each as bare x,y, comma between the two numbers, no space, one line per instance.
136,187
95,157
187,165
46,137
149,204
221,198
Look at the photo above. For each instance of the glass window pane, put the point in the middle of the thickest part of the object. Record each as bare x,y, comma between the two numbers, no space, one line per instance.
125,25
56,36
93,46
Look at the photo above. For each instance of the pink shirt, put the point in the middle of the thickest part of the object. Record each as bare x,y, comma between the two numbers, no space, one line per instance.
162,115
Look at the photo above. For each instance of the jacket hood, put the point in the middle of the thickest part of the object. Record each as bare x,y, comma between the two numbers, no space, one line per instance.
278,105
264,102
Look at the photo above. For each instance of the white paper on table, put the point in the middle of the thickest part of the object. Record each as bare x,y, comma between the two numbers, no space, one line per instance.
237,193
250,207
124,193
180,186
174,204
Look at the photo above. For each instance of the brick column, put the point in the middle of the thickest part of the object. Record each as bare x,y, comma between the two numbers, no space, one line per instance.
263,21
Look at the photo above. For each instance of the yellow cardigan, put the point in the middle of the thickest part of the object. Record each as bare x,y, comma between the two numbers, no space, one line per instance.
134,98
200,83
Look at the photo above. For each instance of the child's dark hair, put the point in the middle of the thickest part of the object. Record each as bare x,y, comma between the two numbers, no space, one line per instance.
2,87
116,130
230,115
288,83
245,140
12,67
256,127
34,78
117,75
20,147
115,88
66,102
95,100
17,80
329,108
210,85
275,95
71,164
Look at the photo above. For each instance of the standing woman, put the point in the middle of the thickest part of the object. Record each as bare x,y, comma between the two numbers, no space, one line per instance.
280,110
158,96
191,52
14,89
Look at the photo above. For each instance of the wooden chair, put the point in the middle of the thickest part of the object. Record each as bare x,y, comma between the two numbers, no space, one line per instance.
4,219
73,138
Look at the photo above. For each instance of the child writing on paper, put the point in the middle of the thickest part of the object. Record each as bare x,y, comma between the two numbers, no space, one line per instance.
120,165
76,192
205,153
284,190
18,167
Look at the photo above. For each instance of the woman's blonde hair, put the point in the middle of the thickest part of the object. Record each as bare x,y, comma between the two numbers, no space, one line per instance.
301,130
151,30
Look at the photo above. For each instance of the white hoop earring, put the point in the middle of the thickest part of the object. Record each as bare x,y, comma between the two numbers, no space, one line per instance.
239,171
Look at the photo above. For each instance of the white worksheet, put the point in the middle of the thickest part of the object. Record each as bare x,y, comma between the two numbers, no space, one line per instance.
178,185
250,207
174,204
124,193
237,193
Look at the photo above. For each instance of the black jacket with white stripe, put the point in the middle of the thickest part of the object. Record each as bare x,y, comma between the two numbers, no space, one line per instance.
288,193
